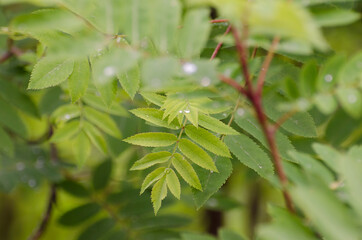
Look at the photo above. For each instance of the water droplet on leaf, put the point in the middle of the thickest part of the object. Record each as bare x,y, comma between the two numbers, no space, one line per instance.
205,81
328,78
189,68
240,111
20,166
352,98
109,71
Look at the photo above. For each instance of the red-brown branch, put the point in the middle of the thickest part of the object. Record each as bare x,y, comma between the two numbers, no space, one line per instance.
255,97
219,20
216,51
281,120
265,66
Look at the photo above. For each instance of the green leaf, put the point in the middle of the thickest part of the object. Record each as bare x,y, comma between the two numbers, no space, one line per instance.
326,103
96,102
250,154
166,19
308,78
191,113
152,177
153,98
329,74
330,17
150,160
207,140
97,230
74,188
101,175
152,139
66,112
250,125
79,214
155,116
102,121
285,226
173,183
6,144
184,168
50,72
194,236
11,119
79,79
130,80
328,154
194,32
95,136
196,154
81,148
226,234
330,216
66,132
351,101
215,125
10,93
212,182
351,71
159,192
351,170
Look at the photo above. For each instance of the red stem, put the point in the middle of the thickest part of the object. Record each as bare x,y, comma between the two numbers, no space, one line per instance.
216,51
219,20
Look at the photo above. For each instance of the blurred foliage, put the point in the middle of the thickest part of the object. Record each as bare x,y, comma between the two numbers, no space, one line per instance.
103,100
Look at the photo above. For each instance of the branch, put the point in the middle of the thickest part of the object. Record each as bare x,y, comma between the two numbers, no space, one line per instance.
216,51
265,66
231,82
242,59
282,119
219,20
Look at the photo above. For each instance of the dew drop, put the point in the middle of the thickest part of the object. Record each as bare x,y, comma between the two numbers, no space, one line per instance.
211,171
205,81
260,166
67,117
189,68
186,111
328,78
240,111
109,71
224,114
32,183
352,98
118,40
20,166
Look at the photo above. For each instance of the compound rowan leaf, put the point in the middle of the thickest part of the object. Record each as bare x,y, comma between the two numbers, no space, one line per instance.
151,159
215,125
187,172
207,140
196,154
152,139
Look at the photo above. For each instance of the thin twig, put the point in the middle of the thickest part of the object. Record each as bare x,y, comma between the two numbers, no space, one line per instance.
265,66
234,84
216,51
219,20
281,120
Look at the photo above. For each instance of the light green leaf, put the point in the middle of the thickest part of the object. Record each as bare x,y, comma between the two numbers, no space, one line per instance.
326,103
66,132
191,113
194,32
330,17
150,160
207,140
159,192
66,112
173,183
153,98
79,79
284,226
250,154
152,177
102,121
101,175
215,125
155,116
96,102
351,101
212,182
329,155
184,168
351,72
250,125
6,144
308,78
196,154
351,170
95,136
81,148
329,74
330,216
152,139
166,19
50,72
195,236
130,80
